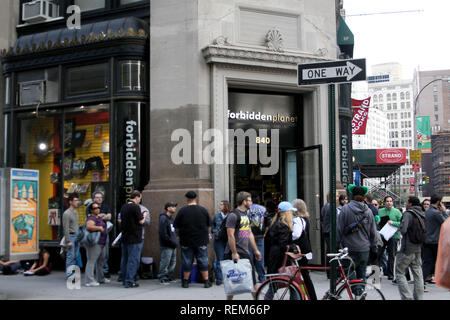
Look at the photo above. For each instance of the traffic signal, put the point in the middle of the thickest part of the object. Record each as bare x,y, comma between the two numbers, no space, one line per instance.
425,180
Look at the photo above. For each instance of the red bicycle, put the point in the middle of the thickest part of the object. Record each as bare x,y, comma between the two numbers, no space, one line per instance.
291,285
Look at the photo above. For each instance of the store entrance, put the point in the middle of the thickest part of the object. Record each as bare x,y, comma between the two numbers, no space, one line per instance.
299,177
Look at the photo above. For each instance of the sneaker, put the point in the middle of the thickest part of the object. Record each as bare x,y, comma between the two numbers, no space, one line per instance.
133,285
106,280
172,280
164,281
92,284
185,283
218,283
207,284
119,279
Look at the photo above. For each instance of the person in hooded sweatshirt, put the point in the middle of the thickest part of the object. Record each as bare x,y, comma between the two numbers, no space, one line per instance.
361,238
168,242
409,255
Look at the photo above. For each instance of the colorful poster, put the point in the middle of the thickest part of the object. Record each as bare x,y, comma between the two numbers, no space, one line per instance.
24,211
423,134
360,115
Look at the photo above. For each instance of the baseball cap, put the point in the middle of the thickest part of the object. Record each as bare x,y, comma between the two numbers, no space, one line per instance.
170,204
190,195
284,206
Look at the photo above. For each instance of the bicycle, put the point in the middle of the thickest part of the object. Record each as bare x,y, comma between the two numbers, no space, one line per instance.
291,285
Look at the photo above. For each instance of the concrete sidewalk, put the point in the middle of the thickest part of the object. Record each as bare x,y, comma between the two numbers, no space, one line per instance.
53,287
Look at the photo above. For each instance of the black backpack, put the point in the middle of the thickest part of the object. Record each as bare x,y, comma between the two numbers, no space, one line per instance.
417,231
222,235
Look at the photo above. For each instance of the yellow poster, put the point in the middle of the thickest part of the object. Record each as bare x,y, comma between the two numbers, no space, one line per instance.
24,212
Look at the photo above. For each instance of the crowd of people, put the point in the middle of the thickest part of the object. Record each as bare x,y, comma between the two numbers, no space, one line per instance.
260,231
410,251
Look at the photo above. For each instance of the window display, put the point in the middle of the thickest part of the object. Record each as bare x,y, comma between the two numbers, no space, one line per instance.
65,161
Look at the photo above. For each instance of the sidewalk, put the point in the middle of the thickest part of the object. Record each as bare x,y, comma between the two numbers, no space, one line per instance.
53,287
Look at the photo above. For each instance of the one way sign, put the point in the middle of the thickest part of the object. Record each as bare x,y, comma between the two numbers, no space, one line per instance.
332,72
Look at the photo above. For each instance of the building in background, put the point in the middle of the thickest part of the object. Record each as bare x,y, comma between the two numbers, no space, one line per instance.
433,102
394,96
440,178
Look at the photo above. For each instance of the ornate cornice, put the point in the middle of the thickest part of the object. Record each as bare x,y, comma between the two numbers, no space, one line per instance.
84,40
225,53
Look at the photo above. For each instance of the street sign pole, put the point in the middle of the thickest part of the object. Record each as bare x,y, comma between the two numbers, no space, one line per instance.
332,72
332,156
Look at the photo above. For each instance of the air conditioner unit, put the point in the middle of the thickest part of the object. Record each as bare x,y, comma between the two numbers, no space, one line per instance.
31,92
39,10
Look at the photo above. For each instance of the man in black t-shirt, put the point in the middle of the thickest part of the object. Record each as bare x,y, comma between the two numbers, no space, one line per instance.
194,229
131,227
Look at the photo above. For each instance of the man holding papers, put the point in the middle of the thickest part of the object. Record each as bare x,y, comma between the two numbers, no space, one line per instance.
393,217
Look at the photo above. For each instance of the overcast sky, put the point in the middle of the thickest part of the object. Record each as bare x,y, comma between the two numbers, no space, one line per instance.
417,39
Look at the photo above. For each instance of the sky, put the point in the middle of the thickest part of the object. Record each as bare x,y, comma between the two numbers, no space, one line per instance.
415,40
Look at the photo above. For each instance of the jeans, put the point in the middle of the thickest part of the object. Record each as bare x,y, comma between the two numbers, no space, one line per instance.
429,252
130,264
187,258
219,249
414,262
73,252
259,265
14,267
95,258
360,259
167,263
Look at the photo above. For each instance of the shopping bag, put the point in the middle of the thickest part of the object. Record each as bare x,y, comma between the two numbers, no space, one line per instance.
442,270
237,276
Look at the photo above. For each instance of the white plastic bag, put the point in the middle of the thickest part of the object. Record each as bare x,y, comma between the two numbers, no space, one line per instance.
237,277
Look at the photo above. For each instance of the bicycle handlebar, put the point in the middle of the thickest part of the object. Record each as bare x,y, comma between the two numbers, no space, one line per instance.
341,254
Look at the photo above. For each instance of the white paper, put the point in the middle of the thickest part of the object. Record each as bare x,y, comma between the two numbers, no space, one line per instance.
388,231
117,239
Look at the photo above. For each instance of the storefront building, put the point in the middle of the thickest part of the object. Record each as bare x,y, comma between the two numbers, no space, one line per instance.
156,96
217,67
76,104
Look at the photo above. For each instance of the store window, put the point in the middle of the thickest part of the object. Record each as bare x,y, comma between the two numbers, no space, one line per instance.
71,157
87,79
38,86
87,5
132,75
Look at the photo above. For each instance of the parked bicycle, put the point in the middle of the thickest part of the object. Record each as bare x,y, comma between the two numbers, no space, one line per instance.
291,285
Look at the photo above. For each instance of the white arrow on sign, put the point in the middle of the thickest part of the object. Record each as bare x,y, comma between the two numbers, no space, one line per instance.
350,70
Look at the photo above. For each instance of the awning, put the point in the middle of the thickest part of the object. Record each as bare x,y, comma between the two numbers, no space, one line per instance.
378,163
345,38
129,27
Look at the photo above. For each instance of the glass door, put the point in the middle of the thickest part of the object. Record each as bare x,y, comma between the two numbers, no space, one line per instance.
303,175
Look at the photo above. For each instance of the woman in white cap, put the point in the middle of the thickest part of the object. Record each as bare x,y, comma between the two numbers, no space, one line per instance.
279,236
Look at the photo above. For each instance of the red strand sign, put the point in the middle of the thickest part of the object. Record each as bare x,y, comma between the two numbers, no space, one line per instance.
360,115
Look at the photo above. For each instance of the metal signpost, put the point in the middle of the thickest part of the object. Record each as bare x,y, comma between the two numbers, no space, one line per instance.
331,73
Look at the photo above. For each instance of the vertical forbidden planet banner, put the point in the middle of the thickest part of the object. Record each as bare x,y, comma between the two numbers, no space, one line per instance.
360,115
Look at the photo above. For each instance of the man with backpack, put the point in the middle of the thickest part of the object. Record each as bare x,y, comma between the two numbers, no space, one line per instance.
413,231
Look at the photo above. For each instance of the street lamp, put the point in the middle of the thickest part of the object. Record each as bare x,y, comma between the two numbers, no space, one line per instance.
415,124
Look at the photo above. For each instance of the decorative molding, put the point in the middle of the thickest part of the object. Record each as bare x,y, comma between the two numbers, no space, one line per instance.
274,40
75,41
228,54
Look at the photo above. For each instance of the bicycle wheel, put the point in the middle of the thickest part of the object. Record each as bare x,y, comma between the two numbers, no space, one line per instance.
359,291
278,289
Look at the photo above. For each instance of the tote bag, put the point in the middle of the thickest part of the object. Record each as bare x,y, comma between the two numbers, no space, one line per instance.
237,276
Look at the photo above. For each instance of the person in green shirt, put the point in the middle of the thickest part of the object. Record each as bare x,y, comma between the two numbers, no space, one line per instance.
393,217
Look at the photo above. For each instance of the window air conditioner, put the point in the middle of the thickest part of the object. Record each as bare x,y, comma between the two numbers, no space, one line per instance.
31,92
39,10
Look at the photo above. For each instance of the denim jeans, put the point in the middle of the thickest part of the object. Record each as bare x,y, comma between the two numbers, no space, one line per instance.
219,249
360,259
259,265
14,267
167,262
187,258
413,261
130,264
73,252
